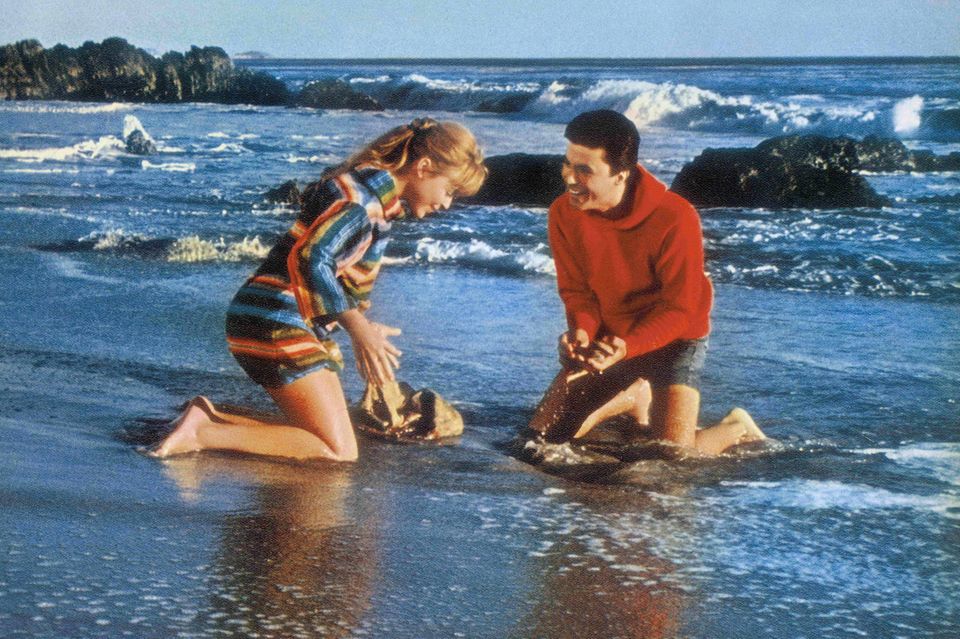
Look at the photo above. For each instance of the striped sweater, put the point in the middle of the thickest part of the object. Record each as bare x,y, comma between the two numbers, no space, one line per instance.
328,260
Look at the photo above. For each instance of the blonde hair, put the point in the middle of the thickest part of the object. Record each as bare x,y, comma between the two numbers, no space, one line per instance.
450,146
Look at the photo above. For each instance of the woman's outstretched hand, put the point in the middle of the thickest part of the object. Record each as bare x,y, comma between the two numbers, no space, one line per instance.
376,357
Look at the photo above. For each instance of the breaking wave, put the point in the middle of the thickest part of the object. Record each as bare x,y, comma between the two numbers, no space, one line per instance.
189,249
669,104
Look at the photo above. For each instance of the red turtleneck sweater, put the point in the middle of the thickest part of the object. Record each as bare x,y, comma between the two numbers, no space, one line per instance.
639,277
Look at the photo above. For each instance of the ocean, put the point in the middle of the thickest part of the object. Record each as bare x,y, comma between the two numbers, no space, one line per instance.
836,329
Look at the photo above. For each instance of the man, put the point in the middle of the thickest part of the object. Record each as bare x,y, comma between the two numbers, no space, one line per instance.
629,258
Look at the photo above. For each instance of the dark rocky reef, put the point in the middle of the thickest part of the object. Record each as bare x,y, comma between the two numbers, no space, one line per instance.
287,193
800,171
806,171
335,94
116,70
520,178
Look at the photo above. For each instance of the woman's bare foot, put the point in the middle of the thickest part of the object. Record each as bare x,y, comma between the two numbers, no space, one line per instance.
184,438
740,417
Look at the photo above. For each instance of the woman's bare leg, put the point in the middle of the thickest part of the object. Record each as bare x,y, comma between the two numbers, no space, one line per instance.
317,424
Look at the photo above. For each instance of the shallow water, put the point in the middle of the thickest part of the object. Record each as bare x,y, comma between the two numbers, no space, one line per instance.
835,329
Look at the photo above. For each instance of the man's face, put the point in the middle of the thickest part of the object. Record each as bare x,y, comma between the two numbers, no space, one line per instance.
590,181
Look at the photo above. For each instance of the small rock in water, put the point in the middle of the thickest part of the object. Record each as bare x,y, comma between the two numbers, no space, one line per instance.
139,144
287,193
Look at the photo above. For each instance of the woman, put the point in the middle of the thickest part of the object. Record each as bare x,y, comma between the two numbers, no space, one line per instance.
319,277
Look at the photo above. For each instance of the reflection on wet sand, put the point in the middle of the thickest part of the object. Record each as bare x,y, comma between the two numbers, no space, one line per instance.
598,586
299,560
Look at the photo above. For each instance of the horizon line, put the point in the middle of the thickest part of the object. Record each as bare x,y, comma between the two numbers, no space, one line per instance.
675,59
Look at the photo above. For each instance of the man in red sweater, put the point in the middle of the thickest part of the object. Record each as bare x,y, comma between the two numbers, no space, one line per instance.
630,272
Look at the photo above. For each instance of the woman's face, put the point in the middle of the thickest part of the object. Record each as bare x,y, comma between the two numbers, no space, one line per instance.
426,190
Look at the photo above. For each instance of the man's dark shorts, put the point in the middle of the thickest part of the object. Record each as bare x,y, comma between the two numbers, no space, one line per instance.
680,362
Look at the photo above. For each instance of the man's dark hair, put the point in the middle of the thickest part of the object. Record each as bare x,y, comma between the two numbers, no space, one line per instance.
608,130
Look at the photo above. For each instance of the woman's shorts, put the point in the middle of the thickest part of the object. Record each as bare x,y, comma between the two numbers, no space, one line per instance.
270,340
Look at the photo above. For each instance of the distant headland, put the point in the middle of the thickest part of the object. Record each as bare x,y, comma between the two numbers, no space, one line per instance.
117,71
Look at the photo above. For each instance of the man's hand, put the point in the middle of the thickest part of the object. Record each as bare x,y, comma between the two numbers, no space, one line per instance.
605,352
376,357
574,348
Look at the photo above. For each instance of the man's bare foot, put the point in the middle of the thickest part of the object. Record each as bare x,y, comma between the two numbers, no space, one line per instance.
742,418
184,438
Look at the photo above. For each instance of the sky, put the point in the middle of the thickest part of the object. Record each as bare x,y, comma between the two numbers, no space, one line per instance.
500,28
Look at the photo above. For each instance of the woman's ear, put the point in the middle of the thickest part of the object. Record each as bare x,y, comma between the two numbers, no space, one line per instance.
424,166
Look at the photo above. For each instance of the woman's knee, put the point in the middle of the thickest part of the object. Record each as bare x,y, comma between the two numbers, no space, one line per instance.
316,403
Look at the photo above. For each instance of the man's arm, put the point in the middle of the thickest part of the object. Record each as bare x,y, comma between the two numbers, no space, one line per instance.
579,301
679,269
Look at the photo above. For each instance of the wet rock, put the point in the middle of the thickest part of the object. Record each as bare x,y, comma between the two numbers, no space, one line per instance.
138,143
522,179
785,172
335,94
287,193
396,411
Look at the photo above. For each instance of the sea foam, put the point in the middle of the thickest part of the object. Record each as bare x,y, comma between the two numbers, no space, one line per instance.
195,249
106,146
69,107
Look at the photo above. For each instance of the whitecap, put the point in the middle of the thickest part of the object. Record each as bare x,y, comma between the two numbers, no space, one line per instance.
906,114
537,262
175,167
229,147
312,159
81,108
106,146
42,171
446,250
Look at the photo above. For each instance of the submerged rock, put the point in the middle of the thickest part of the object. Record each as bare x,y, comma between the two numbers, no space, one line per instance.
335,94
520,178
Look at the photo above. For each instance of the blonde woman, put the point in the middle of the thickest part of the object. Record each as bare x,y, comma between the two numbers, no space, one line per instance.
318,277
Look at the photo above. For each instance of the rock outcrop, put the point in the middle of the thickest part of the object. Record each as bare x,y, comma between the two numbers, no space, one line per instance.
115,70
335,94
785,172
802,171
522,179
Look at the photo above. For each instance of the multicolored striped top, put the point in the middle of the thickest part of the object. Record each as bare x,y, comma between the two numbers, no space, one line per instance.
328,260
